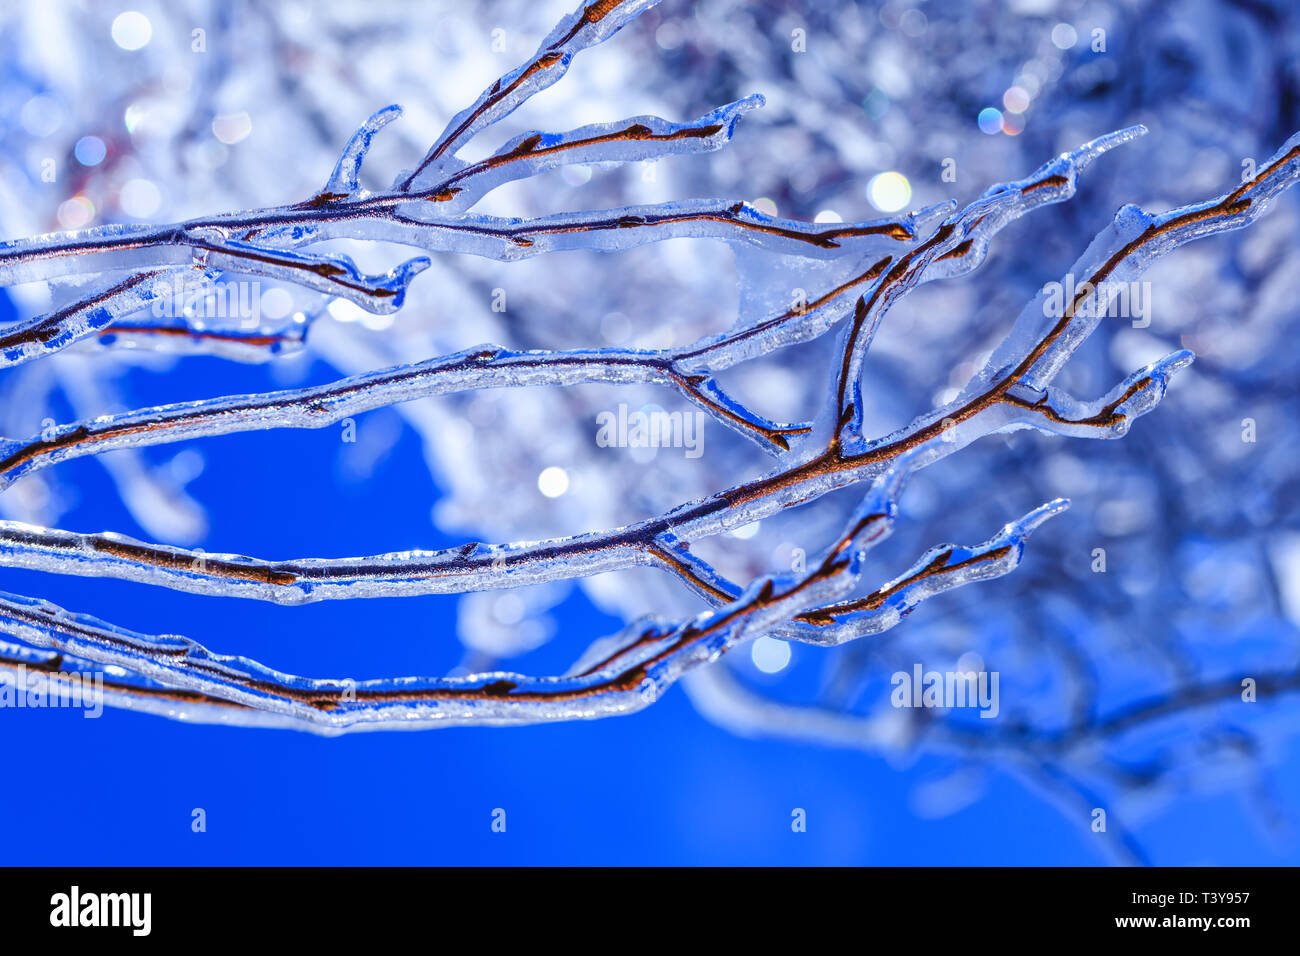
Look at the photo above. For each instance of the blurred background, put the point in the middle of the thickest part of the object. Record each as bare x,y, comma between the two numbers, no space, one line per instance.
160,112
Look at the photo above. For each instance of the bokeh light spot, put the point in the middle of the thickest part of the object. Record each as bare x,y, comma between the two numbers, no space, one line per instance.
1064,36
770,655
889,192
132,30
90,151
553,482
990,120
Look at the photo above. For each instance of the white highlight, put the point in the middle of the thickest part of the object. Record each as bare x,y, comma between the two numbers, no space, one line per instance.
132,30
553,482
889,192
770,655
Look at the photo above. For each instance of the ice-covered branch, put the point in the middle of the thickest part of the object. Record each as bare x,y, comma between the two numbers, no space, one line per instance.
93,313
594,23
941,568
655,654
958,246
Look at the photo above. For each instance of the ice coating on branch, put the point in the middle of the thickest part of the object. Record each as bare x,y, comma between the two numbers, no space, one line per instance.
1123,251
39,258
343,180
62,327
636,139
940,569
330,273
181,337
957,246
592,24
